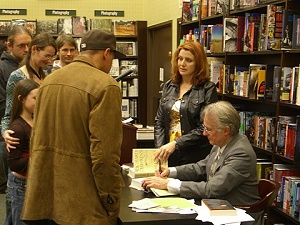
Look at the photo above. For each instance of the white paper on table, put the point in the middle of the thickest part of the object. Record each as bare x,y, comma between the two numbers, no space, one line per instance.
241,216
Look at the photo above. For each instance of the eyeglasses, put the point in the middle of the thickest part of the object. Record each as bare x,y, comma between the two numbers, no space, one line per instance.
22,46
48,57
208,130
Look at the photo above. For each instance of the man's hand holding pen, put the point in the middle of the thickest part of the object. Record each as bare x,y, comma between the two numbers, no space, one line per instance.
160,180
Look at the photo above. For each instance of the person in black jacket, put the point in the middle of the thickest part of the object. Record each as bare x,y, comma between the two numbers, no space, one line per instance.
177,127
17,48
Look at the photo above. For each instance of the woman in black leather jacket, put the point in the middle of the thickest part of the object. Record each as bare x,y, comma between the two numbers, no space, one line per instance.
178,126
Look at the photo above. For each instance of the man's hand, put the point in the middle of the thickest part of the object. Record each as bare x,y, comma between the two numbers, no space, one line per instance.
10,141
155,182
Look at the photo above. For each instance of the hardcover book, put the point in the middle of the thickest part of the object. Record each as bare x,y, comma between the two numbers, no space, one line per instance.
240,34
186,11
296,32
218,207
216,43
64,26
49,26
31,25
230,34
287,28
124,27
79,25
143,162
127,48
103,24
5,26
252,20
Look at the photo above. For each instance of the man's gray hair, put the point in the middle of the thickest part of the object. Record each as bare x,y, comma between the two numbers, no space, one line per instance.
225,114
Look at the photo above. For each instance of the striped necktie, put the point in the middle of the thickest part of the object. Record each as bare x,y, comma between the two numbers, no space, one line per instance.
214,165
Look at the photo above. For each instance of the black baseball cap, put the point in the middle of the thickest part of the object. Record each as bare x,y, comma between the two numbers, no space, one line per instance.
97,39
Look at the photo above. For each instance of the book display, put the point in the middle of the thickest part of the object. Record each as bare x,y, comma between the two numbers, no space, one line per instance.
131,39
260,77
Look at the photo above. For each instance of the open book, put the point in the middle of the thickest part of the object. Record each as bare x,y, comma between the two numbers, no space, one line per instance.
136,183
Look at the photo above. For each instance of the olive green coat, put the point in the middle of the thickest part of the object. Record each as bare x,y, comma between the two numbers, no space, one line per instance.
74,175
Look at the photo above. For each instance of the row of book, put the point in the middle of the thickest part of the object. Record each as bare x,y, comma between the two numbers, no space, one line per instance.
265,132
257,81
214,7
288,197
129,87
75,25
277,29
129,108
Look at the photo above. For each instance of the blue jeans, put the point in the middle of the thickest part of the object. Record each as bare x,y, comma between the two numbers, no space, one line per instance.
16,191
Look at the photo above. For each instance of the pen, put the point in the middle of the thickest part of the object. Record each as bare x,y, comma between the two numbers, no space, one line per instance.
159,166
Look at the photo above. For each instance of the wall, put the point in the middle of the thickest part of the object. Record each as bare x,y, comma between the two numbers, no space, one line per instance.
153,11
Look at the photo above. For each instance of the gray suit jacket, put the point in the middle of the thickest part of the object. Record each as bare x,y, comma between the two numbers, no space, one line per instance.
235,178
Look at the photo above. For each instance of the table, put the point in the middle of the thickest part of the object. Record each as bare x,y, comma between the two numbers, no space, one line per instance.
128,217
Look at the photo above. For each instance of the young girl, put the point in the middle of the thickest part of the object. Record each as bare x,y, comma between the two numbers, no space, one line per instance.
21,123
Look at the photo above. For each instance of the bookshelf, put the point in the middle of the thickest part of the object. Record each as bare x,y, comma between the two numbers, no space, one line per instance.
273,107
137,104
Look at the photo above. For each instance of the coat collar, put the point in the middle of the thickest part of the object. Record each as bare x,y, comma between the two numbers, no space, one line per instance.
84,59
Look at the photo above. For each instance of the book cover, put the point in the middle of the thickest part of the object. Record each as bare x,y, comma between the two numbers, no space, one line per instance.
273,37
218,207
261,169
249,29
49,26
204,8
125,108
124,27
262,32
103,24
79,25
240,34
211,7
287,28
294,84
195,10
5,26
285,84
186,11
127,48
278,27
276,83
222,6
64,26
253,79
143,162
261,84
296,32
31,26
230,34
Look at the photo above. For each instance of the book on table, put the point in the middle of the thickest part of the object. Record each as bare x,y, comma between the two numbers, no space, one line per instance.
218,207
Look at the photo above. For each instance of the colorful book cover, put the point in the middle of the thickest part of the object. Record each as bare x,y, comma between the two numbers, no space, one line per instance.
49,26
240,34
261,84
296,32
230,34
216,44
186,11
249,30
64,26
103,24
124,27
253,79
79,25
287,28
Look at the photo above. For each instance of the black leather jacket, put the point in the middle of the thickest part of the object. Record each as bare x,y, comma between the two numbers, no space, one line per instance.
192,146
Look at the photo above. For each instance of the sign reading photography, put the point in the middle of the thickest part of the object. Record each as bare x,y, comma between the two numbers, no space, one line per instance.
55,12
109,13
13,11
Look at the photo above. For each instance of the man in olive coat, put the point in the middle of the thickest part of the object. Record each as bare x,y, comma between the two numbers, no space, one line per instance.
73,175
